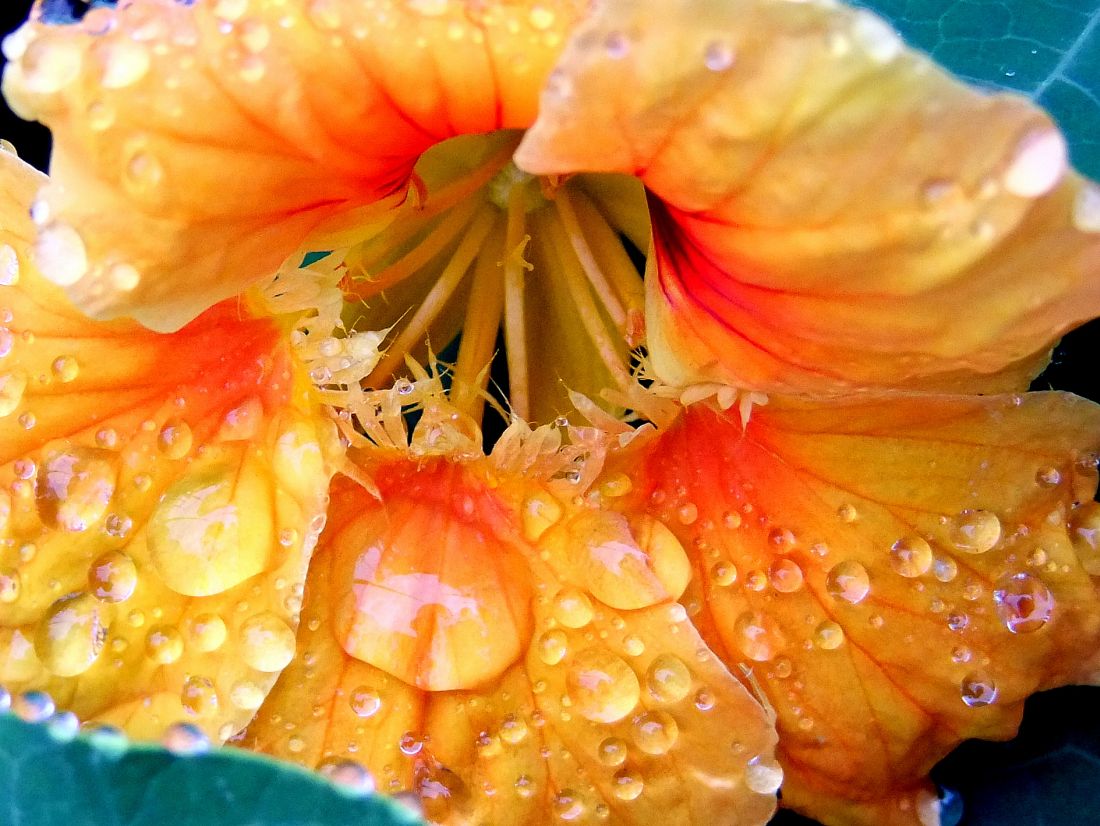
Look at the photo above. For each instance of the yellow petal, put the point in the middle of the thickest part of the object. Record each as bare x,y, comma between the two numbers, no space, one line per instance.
160,495
198,144
899,574
604,716
830,210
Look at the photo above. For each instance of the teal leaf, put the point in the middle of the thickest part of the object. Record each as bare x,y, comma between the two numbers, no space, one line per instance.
46,779
1046,49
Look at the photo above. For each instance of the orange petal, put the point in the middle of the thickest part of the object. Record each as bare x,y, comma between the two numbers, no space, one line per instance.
829,209
196,145
603,716
899,573
160,496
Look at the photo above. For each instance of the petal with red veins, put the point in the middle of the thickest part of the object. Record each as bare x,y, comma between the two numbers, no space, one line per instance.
196,145
829,209
603,716
161,496
899,574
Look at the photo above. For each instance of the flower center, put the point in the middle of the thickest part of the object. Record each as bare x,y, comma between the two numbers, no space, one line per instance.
526,287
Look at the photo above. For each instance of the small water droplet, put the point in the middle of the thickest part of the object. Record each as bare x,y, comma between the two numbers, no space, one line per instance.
65,369
976,531
828,635
552,646
9,266
718,56
724,574
911,556
199,696
1024,603
785,576
33,706
60,255
668,679
246,695
573,608
763,775
617,45
267,642
163,644
655,732
349,776
70,636
207,632
365,701
626,785
753,637
175,439
112,577
848,581
978,689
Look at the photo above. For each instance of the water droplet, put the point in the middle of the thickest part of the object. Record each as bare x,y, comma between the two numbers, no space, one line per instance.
540,512
1024,603
601,686
785,576
945,569
12,386
752,637
957,621
655,732
365,701
71,635
112,577
718,56
756,580
668,679
978,689
199,697
848,580
144,172
612,751
1086,208
74,488
724,574
573,608
65,369
911,556
828,635
185,739
267,642
63,726
163,644
633,645
175,439
976,531
410,744
552,646
9,266
33,706
1038,163
568,806
781,540
626,785
513,730
763,775
617,45
50,64
350,776
123,277
246,695
207,632
60,255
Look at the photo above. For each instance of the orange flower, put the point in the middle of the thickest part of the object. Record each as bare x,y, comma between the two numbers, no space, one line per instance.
784,539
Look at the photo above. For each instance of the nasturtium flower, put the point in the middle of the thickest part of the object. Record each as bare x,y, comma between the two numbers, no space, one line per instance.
777,515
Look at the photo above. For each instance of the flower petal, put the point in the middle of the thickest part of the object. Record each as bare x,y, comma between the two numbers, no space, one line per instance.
829,209
900,574
159,493
604,715
198,144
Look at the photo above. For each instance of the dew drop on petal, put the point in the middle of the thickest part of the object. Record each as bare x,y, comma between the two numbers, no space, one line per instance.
602,687
163,644
617,45
12,387
785,576
365,701
655,732
11,585
978,689
718,56
199,697
9,266
33,706
1024,603
175,439
349,776
267,642
828,635
70,636
552,646
206,632
668,679
626,785
112,577
911,556
848,581
123,63
1037,164
976,531
752,637
612,751
60,255
573,608
246,695
185,739
763,775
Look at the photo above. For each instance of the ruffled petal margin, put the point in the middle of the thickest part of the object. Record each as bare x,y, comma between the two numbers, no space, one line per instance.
830,210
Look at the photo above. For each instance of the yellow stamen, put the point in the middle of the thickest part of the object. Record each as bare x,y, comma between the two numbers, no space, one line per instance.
604,291
479,328
515,330
436,300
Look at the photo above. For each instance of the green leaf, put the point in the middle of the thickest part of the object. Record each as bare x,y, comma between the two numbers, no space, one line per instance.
46,780
1046,49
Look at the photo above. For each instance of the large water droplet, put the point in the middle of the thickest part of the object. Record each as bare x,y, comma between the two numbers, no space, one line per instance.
365,701
1024,603
668,679
540,512
828,635
978,689
612,751
602,686
74,488
267,642
573,608
976,531
911,556
785,576
175,439
552,646
626,784
207,632
848,580
60,255
70,636
164,644
763,775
